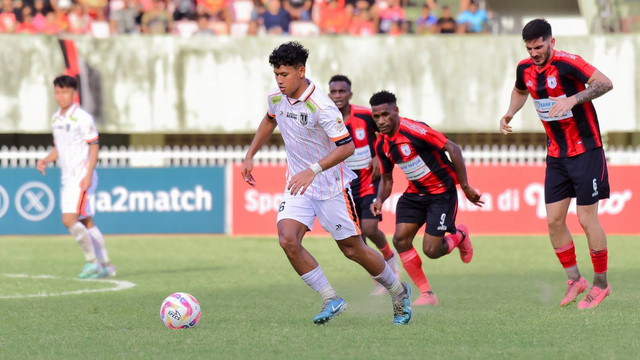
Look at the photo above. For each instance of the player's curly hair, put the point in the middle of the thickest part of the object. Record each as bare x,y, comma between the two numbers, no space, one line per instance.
291,53
383,97
65,81
535,29
340,78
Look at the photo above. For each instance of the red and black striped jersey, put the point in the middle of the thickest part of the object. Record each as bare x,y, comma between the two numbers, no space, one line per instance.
565,74
363,131
419,152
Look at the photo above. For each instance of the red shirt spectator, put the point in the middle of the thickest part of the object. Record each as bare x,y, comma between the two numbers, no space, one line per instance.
26,26
333,18
51,26
7,17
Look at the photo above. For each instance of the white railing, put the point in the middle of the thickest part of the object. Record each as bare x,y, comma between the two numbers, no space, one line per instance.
209,156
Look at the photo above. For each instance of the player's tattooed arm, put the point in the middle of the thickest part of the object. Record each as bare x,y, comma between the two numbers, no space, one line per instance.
599,85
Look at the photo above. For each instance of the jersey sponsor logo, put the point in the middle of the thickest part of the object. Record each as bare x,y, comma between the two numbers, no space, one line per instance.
121,200
360,134
415,168
406,149
304,119
292,116
551,82
276,99
544,105
309,105
360,159
529,83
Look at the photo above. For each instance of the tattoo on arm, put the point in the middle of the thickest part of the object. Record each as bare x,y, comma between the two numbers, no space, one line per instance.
594,90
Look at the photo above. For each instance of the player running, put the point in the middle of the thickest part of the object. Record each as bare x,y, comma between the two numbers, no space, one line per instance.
364,163
76,149
576,164
317,143
431,195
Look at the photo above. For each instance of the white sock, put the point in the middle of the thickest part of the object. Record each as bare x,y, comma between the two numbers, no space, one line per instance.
389,280
80,232
99,246
393,263
318,282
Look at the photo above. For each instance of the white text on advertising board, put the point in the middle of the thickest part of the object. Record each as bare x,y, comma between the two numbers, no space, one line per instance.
121,199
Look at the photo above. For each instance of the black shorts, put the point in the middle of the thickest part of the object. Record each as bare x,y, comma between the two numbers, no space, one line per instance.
438,211
584,177
363,207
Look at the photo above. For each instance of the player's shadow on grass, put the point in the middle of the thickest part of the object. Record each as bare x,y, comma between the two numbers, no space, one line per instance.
140,272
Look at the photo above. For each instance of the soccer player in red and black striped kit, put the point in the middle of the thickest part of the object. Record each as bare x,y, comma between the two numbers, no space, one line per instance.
431,196
576,165
364,163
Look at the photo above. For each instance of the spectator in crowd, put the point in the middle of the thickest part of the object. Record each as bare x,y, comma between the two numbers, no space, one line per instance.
333,18
61,10
276,19
158,20
203,26
257,20
79,20
8,17
185,9
298,9
40,9
355,7
426,21
393,16
216,10
362,23
474,19
123,21
446,23
51,25
96,9
26,26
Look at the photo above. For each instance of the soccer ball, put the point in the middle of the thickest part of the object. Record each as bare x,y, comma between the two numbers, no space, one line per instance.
180,311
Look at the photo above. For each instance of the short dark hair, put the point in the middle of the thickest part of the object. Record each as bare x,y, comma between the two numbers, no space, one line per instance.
66,81
291,53
340,78
535,29
383,97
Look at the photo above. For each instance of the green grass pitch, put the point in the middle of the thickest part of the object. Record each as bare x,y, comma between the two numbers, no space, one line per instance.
503,305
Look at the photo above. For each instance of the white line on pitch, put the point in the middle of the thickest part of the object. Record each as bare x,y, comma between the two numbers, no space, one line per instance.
119,286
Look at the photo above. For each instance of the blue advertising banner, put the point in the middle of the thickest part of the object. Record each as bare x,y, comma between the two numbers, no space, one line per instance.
127,201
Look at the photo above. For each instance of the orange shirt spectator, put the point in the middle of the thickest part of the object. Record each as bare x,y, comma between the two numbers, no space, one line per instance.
51,26
216,9
362,25
7,17
333,18
26,26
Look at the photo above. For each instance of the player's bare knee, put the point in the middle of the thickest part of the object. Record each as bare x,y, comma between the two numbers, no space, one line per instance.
289,244
555,222
432,252
401,244
68,221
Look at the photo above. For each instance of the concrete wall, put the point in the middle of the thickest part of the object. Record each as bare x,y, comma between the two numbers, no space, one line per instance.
174,85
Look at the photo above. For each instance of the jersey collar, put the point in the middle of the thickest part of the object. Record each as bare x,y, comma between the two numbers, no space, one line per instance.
306,94
69,112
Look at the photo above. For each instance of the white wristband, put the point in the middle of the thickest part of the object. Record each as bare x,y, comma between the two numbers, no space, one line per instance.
316,168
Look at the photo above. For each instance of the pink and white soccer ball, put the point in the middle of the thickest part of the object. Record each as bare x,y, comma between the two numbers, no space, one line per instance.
180,311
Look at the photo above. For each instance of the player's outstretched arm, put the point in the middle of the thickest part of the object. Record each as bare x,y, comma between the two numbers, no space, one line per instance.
301,181
266,128
518,98
461,172
41,165
384,191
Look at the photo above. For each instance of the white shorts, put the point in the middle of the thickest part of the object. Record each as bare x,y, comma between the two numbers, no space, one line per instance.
75,201
336,215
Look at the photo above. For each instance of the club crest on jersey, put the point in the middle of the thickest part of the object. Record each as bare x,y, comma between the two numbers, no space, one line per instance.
304,119
551,82
406,150
360,134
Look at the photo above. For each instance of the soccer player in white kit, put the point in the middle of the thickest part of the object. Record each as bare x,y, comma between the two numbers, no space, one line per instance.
317,143
76,149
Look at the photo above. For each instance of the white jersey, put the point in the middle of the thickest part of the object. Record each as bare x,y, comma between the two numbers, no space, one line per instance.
72,134
310,126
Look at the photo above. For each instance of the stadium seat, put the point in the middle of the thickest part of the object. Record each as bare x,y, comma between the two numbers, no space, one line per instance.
242,11
186,28
100,29
303,28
